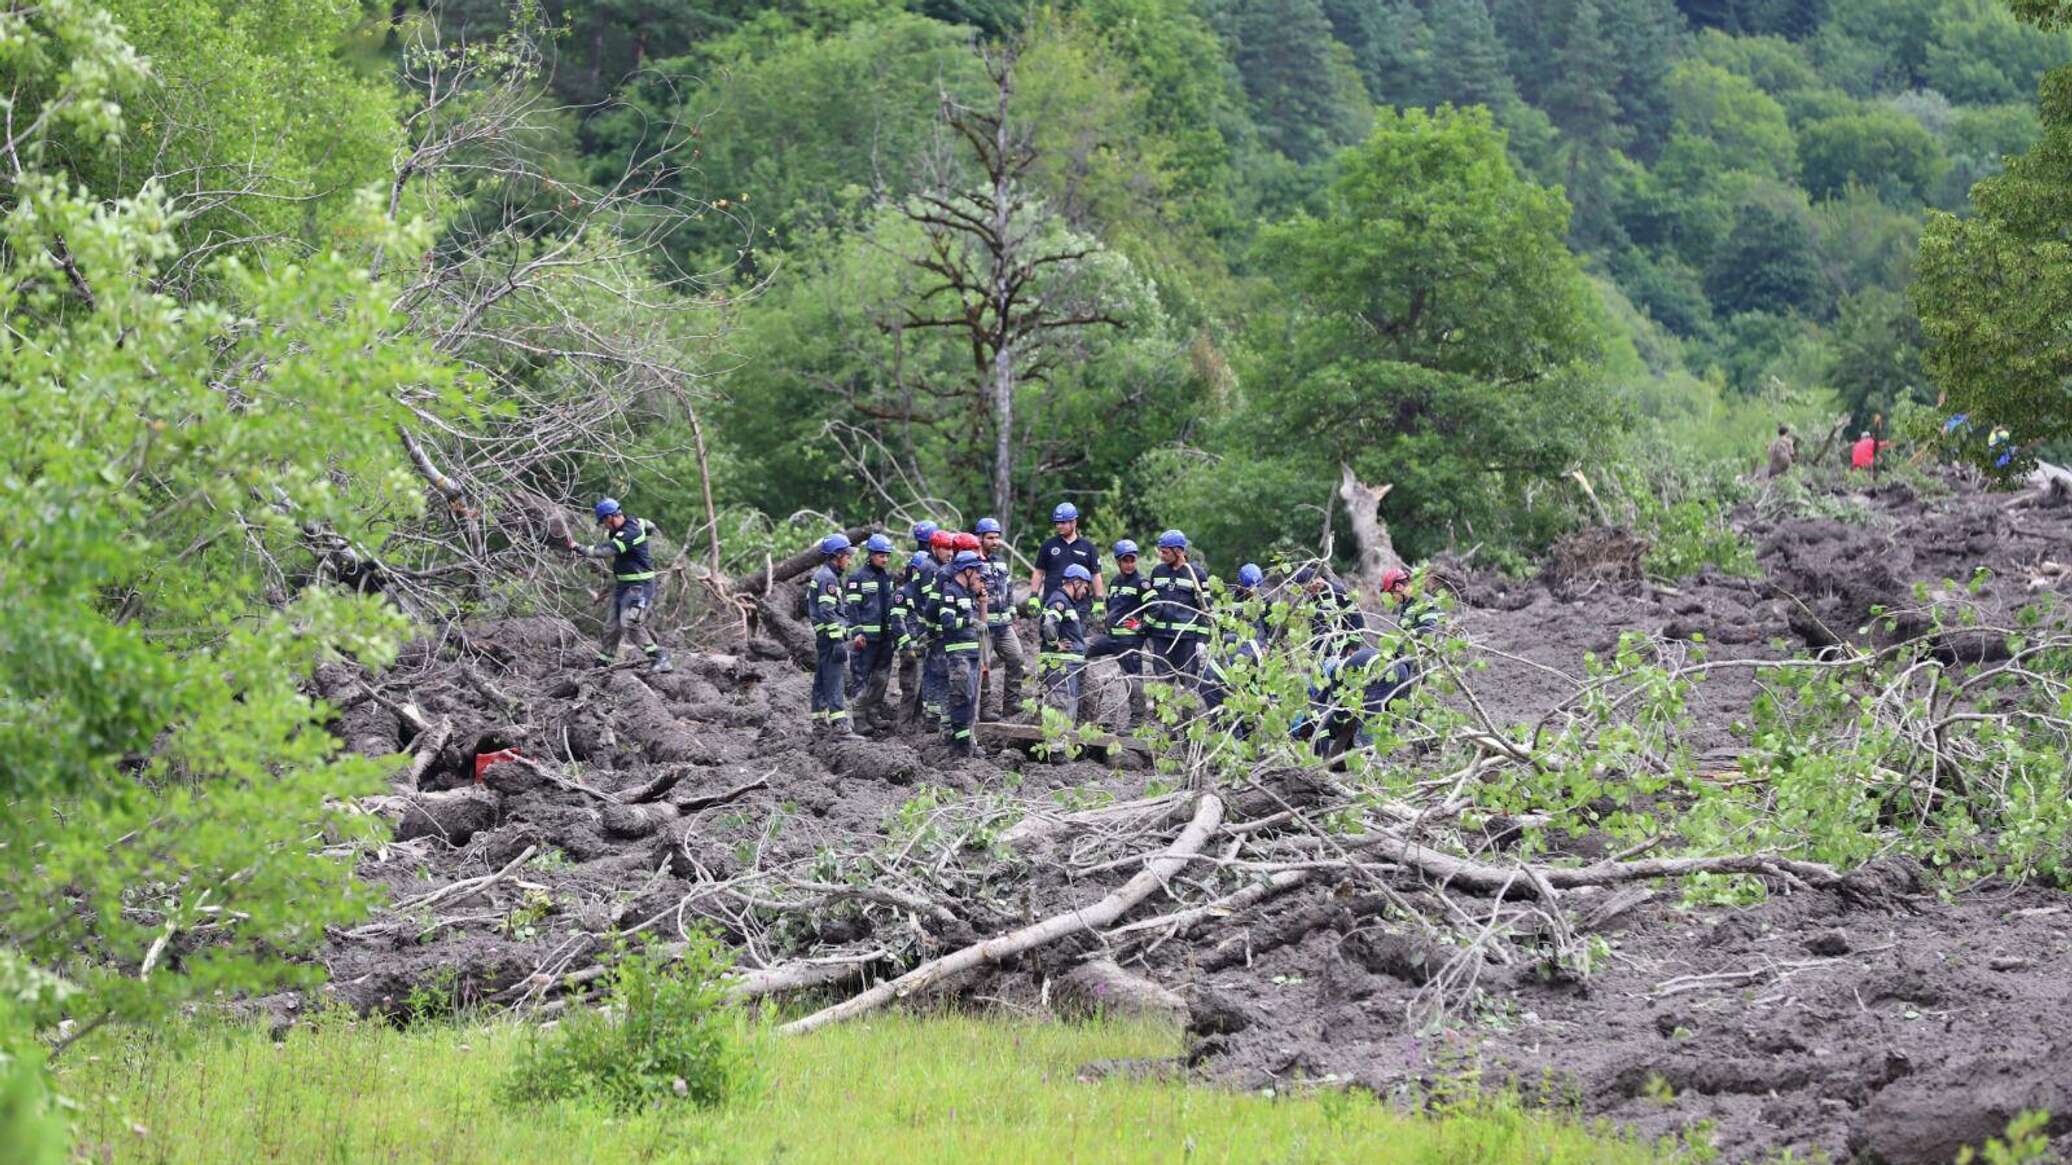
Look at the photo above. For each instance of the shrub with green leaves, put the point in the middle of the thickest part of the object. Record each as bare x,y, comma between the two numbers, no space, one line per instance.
169,463
666,1035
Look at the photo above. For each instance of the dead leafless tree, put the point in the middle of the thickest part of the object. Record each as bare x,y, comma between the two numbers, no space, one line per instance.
994,253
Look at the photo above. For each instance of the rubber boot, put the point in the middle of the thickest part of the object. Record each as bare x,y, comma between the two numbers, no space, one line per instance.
662,663
838,726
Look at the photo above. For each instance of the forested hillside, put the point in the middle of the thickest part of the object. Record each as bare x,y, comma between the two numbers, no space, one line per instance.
1742,186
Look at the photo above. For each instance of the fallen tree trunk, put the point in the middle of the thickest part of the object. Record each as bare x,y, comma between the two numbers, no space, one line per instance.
1208,815
793,567
1496,879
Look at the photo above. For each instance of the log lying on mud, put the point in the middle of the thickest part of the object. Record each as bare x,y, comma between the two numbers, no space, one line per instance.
1098,916
1102,987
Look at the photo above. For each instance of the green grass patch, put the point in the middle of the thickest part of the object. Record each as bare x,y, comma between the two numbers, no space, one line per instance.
890,1089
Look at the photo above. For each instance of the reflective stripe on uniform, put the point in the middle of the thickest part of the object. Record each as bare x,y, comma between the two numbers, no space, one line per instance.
642,576
960,647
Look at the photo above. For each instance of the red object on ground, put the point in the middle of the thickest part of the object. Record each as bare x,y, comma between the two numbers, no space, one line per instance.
1865,451
484,759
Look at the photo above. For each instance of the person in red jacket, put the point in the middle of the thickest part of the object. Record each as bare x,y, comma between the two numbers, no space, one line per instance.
1864,454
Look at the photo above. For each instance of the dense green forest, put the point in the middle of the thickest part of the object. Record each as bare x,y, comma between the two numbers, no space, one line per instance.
1740,187
370,294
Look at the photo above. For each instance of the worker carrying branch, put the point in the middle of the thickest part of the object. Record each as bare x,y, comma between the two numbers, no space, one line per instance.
633,583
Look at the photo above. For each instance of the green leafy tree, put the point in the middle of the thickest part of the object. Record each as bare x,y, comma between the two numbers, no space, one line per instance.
1442,338
1880,148
1468,65
1980,54
1389,41
1581,103
252,121
1874,354
1765,265
1730,111
1305,91
1996,287
168,463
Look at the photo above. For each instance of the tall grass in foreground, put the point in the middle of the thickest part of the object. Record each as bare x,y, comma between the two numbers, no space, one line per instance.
890,1089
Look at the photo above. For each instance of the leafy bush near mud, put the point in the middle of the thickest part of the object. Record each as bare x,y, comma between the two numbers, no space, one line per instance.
667,1034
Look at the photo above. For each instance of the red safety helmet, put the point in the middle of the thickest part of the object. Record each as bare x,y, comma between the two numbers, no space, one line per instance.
943,540
1394,579
968,541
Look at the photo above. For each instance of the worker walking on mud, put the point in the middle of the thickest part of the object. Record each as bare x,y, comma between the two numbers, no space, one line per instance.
633,584
958,627
1066,614
912,637
1178,614
1783,452
1007,646
1863,454
824,595
872,601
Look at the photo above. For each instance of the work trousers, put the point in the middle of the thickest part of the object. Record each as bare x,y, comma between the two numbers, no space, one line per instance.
935,682
1012,664
870,672
830,671
1130,655
627,621
1177,659
908,668
960,679
1064,678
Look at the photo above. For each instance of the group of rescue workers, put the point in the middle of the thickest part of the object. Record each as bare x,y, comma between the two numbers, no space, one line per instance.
943,620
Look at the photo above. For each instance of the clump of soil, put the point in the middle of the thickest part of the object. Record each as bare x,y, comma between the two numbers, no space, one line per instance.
1870,1018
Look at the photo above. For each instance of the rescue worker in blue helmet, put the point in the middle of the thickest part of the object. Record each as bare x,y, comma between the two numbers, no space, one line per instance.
909,640
1008,656
1062,549
633,583
873,599
824,595
1335,621
1178,617
960,586
1066,614
1130,590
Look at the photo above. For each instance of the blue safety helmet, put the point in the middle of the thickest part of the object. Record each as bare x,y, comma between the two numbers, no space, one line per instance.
834,544
920,559
605,508
987,526
878,544
1066,512
1172,540
1125,549
923,531
1249,575
967,558
1079,572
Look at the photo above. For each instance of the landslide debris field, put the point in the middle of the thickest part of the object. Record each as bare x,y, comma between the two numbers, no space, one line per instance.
1305,926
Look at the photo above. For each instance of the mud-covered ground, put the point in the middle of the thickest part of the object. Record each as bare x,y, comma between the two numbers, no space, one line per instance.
1875,1020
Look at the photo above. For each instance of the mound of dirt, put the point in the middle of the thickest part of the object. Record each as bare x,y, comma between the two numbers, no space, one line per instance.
1865,1017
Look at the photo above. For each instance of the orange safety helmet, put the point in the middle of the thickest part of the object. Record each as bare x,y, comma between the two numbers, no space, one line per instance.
968,541
1394,579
